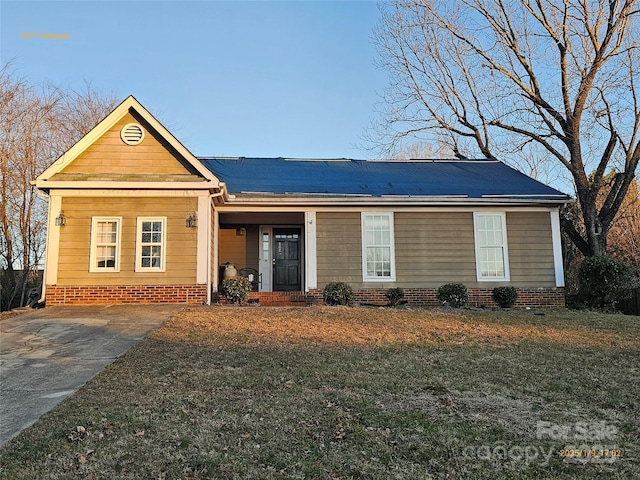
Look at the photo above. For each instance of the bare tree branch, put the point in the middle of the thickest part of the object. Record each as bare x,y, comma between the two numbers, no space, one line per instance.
36,126
486,76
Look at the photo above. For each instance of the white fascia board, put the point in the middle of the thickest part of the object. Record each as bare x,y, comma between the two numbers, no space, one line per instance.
391,208
129,193
390,201
95,185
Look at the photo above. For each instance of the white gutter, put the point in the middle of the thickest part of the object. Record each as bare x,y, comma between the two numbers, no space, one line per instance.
91,185
523,196
390,200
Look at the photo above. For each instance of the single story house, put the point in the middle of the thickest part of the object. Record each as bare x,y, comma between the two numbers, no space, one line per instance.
135,217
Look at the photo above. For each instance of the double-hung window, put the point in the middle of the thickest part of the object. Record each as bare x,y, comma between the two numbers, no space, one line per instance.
378,256
105,244
492,258
151,244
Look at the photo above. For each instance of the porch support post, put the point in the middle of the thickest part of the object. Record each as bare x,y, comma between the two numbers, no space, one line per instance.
557,247
203,247
216,247
310,251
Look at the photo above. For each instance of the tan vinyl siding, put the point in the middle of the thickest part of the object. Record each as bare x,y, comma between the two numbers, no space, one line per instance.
434,248
109,154
530,249
240,250
339,248
75,240
431,249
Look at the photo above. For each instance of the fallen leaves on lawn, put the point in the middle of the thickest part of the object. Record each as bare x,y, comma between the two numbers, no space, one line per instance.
77,434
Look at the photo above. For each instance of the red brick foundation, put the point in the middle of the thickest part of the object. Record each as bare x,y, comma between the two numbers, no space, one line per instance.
478,297
197,295
270,299
110,294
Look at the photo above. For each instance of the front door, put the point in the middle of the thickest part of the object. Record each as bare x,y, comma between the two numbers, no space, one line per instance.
286,260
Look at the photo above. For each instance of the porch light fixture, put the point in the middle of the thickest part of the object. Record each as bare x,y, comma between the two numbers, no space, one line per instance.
192,221
60,219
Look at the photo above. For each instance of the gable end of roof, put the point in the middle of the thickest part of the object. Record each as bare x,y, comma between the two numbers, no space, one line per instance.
129,106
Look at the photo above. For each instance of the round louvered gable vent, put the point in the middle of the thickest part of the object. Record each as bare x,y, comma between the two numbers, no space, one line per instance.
132,134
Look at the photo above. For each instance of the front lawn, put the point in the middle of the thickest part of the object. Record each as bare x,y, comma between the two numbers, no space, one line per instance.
335,392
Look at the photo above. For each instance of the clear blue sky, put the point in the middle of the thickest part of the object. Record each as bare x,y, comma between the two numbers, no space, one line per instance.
234,78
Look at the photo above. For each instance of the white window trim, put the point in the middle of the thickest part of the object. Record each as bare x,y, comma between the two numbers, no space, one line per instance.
163,256
392,277
93,268
505,247
556,239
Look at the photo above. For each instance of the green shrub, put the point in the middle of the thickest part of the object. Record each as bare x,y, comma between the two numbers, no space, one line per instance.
236,289
394,295
604,281
453,294
337,293
505,297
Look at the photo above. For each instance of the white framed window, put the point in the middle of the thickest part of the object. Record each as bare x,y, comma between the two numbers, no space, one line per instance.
105,244
151,244
492,256
378,253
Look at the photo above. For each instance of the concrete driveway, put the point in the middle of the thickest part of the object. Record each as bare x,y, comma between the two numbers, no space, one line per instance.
46,355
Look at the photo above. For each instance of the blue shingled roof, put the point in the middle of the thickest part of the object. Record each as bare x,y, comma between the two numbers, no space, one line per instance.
470,178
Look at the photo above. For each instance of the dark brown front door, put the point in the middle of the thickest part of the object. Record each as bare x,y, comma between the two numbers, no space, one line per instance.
286,260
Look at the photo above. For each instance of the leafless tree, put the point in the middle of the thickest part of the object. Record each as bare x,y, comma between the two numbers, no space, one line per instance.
36,126
553,81
22,111
77,112
421,150
23,115
624,236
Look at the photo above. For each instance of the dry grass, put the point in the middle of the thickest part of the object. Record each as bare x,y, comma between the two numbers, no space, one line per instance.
11,313
343,326
332,392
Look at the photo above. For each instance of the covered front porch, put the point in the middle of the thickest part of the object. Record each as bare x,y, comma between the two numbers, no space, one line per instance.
271,249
